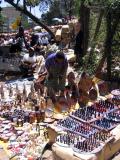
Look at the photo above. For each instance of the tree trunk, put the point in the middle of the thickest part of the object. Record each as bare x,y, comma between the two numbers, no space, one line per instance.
96,34
84,19
111,29
108,45
100,66
112,25
30,15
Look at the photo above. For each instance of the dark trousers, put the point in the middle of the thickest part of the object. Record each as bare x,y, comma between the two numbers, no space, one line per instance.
24,70
79,56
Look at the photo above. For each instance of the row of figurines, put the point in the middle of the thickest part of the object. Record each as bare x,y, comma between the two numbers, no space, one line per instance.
20,119
24,117
26,94
86,129
30,93
94,111
81,144
13,90
34,112
39,115
25,107
30,111
18,97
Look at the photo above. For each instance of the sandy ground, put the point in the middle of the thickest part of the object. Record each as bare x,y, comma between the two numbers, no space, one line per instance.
49,156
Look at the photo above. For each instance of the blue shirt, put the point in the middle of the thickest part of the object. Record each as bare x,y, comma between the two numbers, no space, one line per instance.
51,64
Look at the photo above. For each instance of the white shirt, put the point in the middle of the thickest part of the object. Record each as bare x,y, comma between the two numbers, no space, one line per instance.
29,59
11,40
6,42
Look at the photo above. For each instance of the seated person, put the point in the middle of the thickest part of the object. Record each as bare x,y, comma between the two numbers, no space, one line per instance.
34,40
17,46
29,62
72,84
85,86
71,92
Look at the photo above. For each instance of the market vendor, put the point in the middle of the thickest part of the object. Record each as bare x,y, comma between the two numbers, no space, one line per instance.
40,75
72,85
71,92
87,88
56,65
29,62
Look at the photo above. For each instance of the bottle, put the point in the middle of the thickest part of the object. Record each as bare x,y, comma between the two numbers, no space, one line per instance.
2,92
19,122
42,104
24,92
38,116
16,88
26,117
32,117
10,91
42,115
32,88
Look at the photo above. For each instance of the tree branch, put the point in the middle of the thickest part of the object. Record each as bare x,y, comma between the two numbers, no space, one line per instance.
30,15
24,4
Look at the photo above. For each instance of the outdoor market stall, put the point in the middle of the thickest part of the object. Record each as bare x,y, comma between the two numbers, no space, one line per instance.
27,126
71,145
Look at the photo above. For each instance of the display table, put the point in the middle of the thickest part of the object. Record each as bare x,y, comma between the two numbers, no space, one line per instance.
4,153
37,127
61,153
31,141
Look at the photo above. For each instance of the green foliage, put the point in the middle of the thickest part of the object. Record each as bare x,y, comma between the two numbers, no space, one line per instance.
43,4
2,19
93,63
53,12
77,8
25,22
92,27
109,4
113,7
32,3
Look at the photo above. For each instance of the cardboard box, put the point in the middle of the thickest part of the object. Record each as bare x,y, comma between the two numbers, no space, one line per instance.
58,35
65,28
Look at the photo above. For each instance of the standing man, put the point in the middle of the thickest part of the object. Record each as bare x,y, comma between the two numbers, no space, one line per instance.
78,49
56,65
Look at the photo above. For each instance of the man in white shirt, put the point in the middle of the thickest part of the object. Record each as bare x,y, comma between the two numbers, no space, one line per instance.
29,62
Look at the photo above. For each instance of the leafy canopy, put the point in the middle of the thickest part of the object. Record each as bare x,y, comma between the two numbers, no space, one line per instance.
113,4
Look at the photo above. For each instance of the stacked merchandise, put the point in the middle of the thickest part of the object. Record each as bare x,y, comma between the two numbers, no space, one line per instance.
87,130
21,115
116,96
23,111
65,34
25,142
